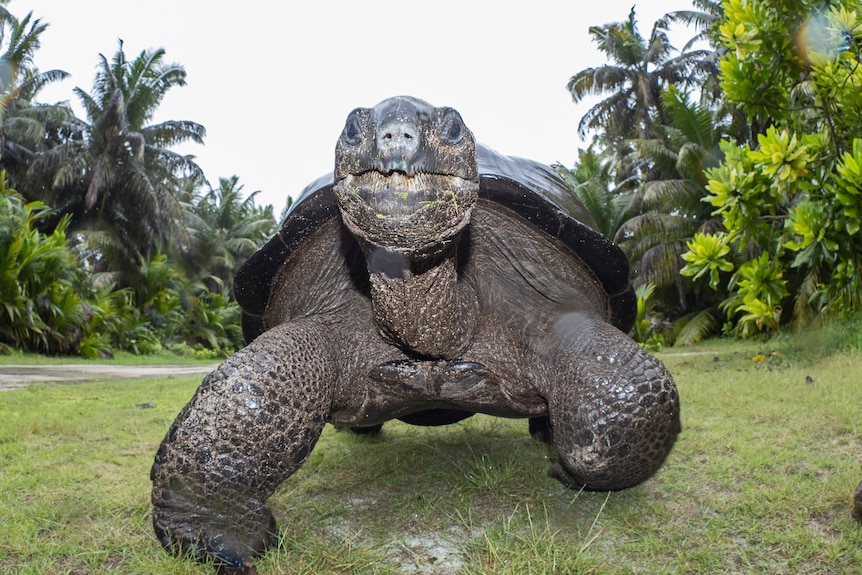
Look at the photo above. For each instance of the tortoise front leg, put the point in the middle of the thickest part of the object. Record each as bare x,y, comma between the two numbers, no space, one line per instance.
250,425
614,415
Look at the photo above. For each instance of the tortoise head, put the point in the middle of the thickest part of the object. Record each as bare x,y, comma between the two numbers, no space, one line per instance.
406,176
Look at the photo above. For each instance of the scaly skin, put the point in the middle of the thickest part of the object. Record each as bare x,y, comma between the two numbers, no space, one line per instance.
615,415
251,424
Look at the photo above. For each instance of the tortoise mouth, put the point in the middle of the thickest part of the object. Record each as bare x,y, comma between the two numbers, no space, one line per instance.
409,214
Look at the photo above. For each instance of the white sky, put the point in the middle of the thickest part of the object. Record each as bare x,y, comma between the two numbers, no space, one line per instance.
273,82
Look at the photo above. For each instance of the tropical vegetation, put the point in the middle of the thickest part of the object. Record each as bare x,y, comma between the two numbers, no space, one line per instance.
790,196
729,171
109,239
730,174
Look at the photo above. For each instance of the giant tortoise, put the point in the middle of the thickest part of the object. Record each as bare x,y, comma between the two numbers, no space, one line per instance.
427,279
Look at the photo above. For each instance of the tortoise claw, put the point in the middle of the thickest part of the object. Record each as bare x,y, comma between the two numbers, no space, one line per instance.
409,374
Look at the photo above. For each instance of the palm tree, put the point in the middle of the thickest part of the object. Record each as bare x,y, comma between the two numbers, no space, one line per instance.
671,209
118,175
592,181
25,126
640,68
705,19
226,229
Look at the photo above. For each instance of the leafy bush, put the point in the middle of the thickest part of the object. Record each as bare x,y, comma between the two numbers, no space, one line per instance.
52,304
646,331
212,320
42,310
791,206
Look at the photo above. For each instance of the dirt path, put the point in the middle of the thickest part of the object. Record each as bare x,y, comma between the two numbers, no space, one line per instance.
18,376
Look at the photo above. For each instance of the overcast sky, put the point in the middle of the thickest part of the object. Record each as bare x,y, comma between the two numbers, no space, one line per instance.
273,82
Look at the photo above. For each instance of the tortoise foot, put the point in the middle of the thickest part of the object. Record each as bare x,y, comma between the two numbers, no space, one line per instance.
558,472
230,540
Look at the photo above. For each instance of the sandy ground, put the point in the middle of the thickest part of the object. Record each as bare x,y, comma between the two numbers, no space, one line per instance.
18,376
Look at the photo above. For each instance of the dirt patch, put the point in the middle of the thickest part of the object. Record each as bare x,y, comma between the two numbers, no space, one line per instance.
430,553
18,376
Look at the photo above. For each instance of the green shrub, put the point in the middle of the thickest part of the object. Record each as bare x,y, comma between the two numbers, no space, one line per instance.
41,311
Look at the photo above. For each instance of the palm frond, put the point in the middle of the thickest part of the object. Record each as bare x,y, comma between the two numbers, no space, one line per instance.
22,41
660,264
170,164
596,81
612,113
697,326
673,196
695,121
32,83
640,233
659,44
694,18
91,107
24,130
656,153
105,83
174,132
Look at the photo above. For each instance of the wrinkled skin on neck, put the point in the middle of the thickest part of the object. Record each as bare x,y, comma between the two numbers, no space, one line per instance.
425,310
406,182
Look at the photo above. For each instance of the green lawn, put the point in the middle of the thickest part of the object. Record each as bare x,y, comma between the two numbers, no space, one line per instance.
760,481
163,357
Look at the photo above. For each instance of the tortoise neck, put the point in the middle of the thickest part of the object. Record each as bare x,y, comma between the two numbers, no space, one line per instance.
421,306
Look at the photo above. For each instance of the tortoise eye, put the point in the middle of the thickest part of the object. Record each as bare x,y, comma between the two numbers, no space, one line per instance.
453,128
454,131
352,131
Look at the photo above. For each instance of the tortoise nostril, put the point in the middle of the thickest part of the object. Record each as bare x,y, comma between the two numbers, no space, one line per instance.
400,137
398,142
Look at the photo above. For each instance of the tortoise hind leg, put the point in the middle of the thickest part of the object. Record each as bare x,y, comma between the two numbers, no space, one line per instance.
540,429
368,430
250,425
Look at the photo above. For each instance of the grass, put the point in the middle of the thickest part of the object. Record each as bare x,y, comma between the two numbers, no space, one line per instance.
163,357
760,482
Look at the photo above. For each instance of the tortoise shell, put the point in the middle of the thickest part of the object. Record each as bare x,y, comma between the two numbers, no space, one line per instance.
533,191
